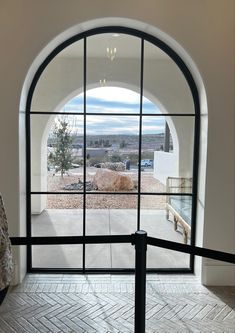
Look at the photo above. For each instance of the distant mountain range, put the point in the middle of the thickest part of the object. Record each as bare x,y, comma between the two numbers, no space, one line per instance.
123,141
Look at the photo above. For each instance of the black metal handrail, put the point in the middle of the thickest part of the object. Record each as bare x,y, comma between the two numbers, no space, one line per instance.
195,250
58,240
140,240
96,239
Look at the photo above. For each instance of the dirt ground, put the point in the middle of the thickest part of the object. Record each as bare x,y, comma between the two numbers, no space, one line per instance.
113,201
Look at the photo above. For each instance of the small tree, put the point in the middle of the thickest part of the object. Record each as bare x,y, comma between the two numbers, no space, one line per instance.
62,158
115,158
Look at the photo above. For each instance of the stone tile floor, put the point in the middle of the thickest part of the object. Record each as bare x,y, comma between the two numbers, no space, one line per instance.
105,304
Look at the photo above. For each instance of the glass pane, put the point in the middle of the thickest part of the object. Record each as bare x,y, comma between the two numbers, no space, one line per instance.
111,214
167,153
112,152
57,256
57,215
166,259
56,147
98,256
164,84
122,256
108,58
169,218
110,256
112,100
60,81
76,104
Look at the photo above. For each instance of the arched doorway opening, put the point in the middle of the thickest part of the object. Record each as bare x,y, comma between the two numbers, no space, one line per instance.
102,57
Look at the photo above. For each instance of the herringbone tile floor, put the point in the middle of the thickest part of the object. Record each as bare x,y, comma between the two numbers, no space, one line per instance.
105,304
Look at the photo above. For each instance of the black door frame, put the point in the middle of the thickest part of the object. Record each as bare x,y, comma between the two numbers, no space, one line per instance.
194,91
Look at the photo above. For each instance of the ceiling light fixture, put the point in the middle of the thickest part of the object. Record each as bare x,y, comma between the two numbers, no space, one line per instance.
103,82
111,52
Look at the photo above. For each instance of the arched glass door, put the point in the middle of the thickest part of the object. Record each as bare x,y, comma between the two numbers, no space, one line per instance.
113,126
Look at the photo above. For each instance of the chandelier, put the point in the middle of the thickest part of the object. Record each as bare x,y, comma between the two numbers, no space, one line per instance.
103,82
111,52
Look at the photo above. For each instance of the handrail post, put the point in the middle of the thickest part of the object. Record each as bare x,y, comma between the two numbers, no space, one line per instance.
140,280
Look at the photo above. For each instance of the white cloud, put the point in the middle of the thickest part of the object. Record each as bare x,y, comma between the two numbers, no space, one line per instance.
115,94
152,129
107,124
111,94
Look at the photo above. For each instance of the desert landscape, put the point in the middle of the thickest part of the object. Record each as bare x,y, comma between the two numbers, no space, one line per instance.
98,201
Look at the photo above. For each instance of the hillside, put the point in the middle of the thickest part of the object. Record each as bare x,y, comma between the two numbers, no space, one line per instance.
149,141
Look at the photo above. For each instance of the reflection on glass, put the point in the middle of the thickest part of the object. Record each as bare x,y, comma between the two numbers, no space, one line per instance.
57,256
61,76
56,153
57,215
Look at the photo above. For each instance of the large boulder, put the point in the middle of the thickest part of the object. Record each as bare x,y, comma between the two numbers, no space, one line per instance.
107,180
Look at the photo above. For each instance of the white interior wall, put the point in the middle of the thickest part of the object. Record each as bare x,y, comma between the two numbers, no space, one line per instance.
64,75
205,32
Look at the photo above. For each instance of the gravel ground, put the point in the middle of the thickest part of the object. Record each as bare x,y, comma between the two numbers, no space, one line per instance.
148,184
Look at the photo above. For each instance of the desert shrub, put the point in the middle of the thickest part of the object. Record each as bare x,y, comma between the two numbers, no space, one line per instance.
115,158
115,166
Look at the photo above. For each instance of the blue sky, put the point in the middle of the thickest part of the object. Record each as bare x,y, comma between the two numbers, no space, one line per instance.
114,100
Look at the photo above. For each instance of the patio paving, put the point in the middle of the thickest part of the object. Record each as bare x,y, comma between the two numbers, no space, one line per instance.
66,222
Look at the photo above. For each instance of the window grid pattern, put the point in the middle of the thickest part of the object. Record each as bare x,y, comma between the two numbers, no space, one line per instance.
30,113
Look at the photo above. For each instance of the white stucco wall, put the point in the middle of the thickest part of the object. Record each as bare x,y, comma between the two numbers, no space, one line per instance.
205,31
165,165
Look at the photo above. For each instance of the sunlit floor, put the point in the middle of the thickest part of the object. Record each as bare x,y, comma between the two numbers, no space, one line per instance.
65,222
105,304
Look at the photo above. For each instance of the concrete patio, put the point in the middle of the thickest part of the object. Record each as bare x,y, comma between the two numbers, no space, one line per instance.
66,222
